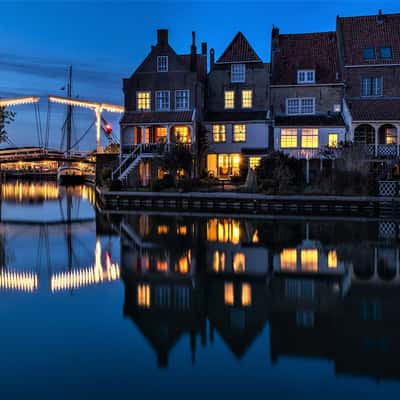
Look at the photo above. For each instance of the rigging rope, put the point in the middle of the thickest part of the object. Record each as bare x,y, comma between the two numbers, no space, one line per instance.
83,136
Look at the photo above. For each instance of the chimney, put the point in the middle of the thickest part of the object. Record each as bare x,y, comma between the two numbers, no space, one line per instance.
193,51
204,54
211,59
162,37
379,18
275,38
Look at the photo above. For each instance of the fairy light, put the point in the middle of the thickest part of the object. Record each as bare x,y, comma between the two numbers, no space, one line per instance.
18,101
18,281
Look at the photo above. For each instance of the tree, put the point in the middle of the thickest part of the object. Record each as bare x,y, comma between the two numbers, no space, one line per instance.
178,158
6,117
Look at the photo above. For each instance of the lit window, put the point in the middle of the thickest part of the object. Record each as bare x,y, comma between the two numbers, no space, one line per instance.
288,138
239,262
309,260
238,73
254,162
219,133
182,134
333,140
161,134
229,294
385,53
372,86
218,261
247,98
162,100
296,106
306,76
369,53
246,295
390,135
235,164
332,259
309,138
182,100
143,101
288,259
229,99
162,63
143,296
239,133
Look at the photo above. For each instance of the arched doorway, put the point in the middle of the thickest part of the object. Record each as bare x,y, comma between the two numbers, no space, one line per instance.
387,134
364,134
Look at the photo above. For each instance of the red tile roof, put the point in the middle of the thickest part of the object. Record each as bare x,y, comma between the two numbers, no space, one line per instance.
239,50
133,117
316,51
370,31
375,110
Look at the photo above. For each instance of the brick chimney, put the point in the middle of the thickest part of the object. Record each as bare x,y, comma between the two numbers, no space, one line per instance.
275,38
204,53
212,52
379,18
162,37
193,53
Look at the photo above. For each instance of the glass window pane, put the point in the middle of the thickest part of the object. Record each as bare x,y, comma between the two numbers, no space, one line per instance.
369,53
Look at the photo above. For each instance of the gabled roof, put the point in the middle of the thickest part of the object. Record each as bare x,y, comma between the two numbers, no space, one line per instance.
375,31
239,50
375,109
316,51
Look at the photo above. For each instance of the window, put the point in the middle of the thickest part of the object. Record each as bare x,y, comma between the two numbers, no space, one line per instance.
309,138
239,133
372,86
182,134
304,105
288,138
162,64
229,99
182,100
369,53
385,53
235,164
219,133
337,108
162,100
333,140
143,102
238,73
306,76
247,98
254,162
332,259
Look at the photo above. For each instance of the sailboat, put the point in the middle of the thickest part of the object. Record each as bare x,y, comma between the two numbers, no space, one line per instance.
69,173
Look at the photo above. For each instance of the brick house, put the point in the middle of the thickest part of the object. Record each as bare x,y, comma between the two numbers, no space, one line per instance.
370,56
164,103
237,106
306,93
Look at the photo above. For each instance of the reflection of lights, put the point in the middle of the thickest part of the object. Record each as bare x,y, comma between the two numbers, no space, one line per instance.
226,230
255,238
162,265
246,295
239,262
309,260
143,296
162,229
219,261
20,191
228,294
181,230
184,263
19,281
289,259
332,259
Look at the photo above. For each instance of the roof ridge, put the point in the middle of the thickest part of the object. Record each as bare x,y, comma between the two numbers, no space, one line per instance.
370,15
307,33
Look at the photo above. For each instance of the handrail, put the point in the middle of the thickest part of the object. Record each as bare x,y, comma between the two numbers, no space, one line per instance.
129,157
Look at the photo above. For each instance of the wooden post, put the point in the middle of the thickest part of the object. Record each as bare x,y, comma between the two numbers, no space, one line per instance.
307,170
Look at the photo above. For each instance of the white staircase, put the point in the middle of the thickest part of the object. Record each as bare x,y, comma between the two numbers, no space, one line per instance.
128,164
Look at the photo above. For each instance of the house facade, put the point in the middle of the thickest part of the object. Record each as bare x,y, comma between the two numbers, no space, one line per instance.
307,93
237,107
164,102
370,57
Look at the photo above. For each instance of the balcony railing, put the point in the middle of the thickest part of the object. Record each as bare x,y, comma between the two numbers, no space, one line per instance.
153,148
382,150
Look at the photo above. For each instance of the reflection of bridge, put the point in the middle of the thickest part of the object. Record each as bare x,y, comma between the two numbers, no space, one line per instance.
17,154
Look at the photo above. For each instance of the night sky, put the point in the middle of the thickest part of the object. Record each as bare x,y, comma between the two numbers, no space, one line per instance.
106,41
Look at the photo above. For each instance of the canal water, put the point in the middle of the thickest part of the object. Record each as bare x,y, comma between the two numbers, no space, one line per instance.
151,306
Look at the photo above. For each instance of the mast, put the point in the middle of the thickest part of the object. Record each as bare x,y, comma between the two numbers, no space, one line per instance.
69,113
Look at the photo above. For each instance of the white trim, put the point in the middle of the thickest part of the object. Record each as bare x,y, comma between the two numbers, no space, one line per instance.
188,100
300,101
372,65
169,101
305,72
158,58
308,85
244,72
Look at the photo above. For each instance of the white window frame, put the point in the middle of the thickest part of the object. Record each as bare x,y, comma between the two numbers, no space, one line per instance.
188,100
233,99
251,98
373,86
244,133
238,75
159,63
304,73
301,106
137,100
158,108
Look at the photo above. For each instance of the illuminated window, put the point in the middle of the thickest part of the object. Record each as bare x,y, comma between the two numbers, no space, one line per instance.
182,134
229,99
333,140
143,296
181,230
239,262
254,162
182,100
306,76
229,294
288,138
309,138
218,261
219,133
235,164
246,295
288,259
223,165
162,265
239,133
162,100
162,229
238,73
162,63
295,106
161,134
143,102
390,135
332,259
309,260
247,98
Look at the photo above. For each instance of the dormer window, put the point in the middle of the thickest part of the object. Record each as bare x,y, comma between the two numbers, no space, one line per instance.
385,53
162,64
305,76
238,73
369,53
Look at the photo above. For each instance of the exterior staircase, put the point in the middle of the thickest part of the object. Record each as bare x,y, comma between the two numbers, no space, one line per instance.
127,165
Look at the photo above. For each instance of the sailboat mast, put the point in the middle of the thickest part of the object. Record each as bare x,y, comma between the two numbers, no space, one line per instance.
69,113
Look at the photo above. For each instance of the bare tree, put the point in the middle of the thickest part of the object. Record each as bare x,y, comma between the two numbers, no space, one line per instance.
6,117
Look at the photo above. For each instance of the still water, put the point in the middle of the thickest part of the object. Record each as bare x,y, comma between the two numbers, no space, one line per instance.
145,306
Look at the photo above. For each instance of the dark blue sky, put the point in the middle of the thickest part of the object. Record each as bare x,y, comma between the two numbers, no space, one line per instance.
106,41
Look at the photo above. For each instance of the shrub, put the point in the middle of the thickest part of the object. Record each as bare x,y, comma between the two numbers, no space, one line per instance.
116,185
